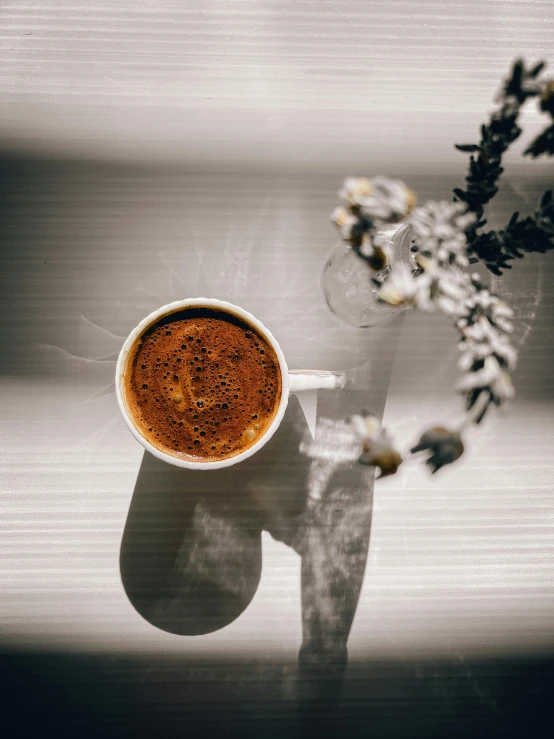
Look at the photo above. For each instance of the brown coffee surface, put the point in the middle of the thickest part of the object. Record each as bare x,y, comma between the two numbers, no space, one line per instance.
202,384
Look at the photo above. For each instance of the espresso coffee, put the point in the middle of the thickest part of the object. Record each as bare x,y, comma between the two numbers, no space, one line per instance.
202,384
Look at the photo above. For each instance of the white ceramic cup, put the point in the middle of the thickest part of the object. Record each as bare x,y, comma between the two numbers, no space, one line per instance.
292,381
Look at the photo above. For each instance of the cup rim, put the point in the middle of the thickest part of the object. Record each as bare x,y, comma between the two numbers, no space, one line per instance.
172,308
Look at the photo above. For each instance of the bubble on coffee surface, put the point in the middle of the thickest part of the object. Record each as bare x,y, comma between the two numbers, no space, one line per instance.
214,398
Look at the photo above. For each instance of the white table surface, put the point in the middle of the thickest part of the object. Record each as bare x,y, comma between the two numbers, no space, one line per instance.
176,149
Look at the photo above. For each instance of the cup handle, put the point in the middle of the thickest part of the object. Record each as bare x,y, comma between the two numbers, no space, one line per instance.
315,380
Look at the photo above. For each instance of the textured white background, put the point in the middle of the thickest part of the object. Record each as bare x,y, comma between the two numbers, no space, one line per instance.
258,83
134,111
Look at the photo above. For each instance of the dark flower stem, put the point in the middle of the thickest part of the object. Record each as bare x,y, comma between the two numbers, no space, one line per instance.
531,234
535,233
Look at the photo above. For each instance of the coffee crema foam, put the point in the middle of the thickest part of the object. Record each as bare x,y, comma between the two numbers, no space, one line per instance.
202,384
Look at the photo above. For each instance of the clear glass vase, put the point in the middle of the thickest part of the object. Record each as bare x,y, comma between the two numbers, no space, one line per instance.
346,280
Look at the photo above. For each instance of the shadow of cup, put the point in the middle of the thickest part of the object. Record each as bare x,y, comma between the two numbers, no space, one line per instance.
191,554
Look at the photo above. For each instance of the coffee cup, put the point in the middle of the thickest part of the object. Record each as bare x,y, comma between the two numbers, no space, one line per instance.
292,381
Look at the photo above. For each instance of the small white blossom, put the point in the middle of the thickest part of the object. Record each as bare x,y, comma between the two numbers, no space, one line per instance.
379,199
471,353
384,240
344,221
446,288
502,389
401,287
390,201
377,446
449,289
453,284
483,377
446,305
367,247
482,340
355,189
439,230
483,302
366,427
504,325
491,377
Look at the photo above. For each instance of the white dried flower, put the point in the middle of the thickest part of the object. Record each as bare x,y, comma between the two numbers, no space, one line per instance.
440,231
492,378
483,377
367,247
366,427
377,446
503,324
484,303
344,221
380,199
384,240
483,319
355,190
482,340
401,287
448,287
451,288
502,389
448,306
389,202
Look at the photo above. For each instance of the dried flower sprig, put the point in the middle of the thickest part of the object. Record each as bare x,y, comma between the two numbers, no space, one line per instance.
534,233
531,234
377,446
496,136
447,239
482,318
544,143
488,356
370,205
438,281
